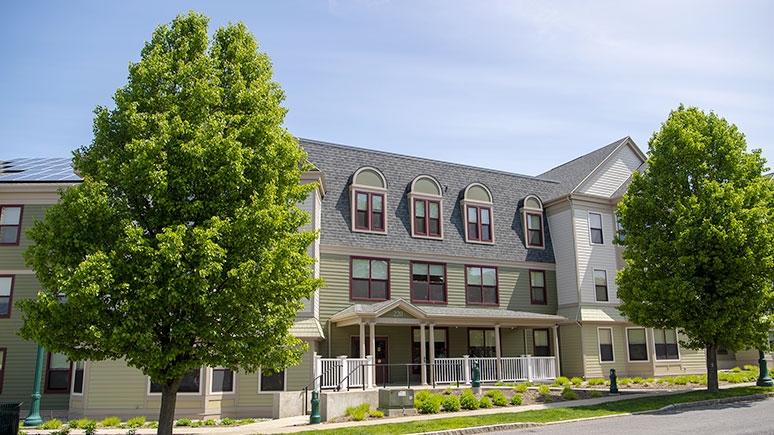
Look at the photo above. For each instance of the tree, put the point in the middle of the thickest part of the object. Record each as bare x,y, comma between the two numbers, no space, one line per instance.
699,238
182,247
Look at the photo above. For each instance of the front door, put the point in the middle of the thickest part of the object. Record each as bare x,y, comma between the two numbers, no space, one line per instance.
381,354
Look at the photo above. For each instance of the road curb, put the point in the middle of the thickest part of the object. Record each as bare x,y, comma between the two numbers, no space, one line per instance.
688,405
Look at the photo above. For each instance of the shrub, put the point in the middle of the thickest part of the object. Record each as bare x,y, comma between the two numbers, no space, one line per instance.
595,393
136,422
485,402
359,410
569,394
577,381
245,421
447,391
637,380
376,413
432,405
225,421
51,424
183,422
72,424
624,381
420,397
681,380
451,403
649,380
89,427
63,431
521,388
596,381
210,422
110,422
544,390
561,381
498,398
153,425
517,399
358,415
468,401
197,423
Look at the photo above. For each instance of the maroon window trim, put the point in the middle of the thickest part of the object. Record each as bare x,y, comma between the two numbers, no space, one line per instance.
50,372
370,280
547,346
481,287
4,227
8,299
537,231
537,289
4,351
426,225
369,219
429,300
478,230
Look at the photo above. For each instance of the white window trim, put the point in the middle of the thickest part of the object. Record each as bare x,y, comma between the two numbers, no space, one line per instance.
211,377
607,285
354,188
524,211
284,383
199,393
647,347
72,381
612,344
602,227
667,361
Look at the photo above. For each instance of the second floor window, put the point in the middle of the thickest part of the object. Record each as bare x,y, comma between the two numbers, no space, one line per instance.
6,294
595,228
537,287
481,285
428,283
370,279
600,285
10,224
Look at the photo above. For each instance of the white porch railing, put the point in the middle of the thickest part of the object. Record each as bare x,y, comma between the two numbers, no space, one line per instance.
523,368
343,372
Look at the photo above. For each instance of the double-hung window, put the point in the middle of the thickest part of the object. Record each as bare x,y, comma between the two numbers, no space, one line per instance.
638,344
600,286
537,287
428,283
369,201
477,211
57,374
370,211
427,218
595,228
540,344
370,279
10,224
532,214
273,381
482,343
222,380
191,383
605,344
666,344
481,285
78,371
6,294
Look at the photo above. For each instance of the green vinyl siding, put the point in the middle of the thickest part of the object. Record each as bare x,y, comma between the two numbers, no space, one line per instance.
571,357
105,378
11,255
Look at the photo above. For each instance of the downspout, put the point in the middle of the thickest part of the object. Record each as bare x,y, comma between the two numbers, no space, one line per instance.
578,318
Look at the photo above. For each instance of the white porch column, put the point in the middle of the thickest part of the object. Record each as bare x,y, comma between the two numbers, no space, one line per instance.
466,368
342,381
556,348
372,331
498,353
362,341
422,354
432,353
317,372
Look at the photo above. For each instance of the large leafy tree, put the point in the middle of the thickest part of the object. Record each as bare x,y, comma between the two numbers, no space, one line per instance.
699,238
181,248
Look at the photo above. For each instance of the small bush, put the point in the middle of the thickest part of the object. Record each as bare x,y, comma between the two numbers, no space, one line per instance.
637,380
517,399
420,397
596,381
183,422
577,381
360,409
89,427
245,421
447,391
595,393
498,398
520,388
375,413
544,390
649,380
736,370
569,394
624,381
210,422
451,403
468,401
72,424
358,415
197,423
63,431
51,424
136,422
225,421
681,380
432,405
485,402
561,381
153,425
110,422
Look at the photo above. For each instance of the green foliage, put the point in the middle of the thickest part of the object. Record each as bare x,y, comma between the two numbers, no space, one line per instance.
521,388
189,207
637,380
517,399
183,422
736,370
699,237
485,403
243,421
595,393
561,381
649,380
451,403
595,381
210,422
624,381
72,424
375,413
110,422
498,398
569,394
136,422
468,401
89,427
360,410
577,381
225,421
51,424
153,424
432,405
197,423
447,391
544,390
63,431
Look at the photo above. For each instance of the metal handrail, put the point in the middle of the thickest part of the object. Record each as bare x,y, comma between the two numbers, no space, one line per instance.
318,378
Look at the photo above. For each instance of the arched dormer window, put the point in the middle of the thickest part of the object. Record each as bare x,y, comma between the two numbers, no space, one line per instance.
477,209
368,196
532,216
426,202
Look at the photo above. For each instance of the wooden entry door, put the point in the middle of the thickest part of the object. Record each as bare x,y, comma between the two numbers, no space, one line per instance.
381,354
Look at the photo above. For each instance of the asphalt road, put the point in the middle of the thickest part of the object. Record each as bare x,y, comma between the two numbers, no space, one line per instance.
754,417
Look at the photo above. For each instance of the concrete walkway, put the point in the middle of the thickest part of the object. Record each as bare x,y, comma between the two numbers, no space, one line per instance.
301,423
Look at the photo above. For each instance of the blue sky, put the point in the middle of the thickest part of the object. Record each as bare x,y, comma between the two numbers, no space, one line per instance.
510,85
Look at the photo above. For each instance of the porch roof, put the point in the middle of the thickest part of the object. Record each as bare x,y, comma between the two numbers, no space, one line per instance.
400,311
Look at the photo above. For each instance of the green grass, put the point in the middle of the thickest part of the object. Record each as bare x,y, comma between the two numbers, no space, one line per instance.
546,415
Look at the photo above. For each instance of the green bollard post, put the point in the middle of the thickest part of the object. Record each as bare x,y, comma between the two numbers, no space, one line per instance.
764,380
476,375
315,417
613,382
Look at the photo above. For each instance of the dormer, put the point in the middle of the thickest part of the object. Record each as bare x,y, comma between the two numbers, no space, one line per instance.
476,206
426,203
368,198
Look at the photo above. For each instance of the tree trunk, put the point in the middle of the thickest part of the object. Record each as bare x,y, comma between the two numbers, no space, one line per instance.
168,402
712,368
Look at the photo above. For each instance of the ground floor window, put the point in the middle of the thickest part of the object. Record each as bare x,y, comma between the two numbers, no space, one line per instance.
57,374
481,343
78,367
273,381
666,344
540,343
441,346
606,345
638,344
222,380
189,384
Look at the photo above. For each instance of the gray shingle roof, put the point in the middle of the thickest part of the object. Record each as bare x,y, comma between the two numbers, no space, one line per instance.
339,162
37,170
